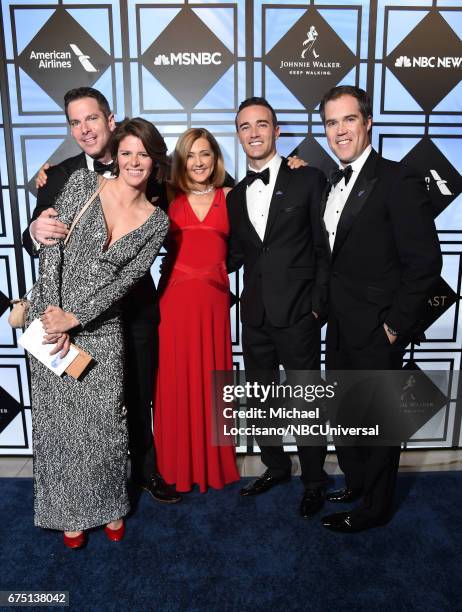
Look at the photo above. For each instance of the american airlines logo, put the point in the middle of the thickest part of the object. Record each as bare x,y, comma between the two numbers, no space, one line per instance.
83,59
403,61
62,55
442,179
440,183
186,58
62,59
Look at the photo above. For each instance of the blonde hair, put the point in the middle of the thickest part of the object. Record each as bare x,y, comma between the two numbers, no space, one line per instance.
183,147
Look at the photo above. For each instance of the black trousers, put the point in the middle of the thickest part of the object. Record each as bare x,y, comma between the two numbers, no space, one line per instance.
141,350
296,347
371,469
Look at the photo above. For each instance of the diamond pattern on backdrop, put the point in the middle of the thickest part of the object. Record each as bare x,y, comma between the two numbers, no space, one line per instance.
9,409
310,58
428,61
62,56
443,181
311,151
438,302
4,303
187,58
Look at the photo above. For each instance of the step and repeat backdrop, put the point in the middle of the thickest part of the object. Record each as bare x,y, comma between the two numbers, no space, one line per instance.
183,64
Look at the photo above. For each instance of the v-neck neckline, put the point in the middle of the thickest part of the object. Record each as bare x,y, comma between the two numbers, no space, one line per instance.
208,210
106,247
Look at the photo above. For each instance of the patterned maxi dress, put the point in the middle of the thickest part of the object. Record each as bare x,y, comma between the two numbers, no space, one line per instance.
79,427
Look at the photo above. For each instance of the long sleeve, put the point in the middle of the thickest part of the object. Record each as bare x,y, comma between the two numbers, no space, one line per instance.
235,257
47,290
417,243
321,286
47,197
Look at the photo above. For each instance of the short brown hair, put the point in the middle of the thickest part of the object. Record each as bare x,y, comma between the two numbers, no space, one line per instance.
86,92
364,102
256,101
183,147
150,137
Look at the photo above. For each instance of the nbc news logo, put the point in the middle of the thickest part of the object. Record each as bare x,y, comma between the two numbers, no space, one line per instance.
403,62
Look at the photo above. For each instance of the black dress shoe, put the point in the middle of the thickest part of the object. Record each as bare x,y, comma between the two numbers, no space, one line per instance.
312,502
343,496
262,484
161,491
348,522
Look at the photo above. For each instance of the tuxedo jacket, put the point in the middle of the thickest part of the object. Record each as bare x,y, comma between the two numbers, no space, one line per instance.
286,273
140,304
386,255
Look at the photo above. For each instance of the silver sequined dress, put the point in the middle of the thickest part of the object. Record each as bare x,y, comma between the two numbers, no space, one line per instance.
79,427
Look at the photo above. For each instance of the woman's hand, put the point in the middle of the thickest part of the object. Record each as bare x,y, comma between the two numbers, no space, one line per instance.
295,162
62,341
55,320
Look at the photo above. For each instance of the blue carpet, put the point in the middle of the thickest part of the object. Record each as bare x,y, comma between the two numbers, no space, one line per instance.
222,552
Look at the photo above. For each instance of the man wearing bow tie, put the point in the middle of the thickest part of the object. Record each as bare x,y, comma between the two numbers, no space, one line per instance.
91,123
276,235
385,258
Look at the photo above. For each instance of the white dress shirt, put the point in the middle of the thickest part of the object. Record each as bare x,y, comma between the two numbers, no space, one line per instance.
339,195
91,166
259,196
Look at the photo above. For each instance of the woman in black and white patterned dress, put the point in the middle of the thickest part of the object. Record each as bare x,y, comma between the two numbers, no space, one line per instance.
79,426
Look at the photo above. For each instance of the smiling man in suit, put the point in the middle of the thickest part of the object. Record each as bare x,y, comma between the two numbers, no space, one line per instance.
91,123
276,235
385,258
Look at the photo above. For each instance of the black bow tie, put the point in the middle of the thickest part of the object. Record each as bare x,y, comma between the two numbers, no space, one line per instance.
252,176
101,168
338,174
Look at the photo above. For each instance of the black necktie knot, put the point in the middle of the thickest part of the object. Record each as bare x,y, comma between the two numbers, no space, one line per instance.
252,176
101,168
338,174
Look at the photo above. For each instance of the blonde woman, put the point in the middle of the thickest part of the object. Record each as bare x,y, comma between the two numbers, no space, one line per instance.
194,332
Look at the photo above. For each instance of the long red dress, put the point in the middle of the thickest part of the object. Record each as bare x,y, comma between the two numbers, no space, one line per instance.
194,340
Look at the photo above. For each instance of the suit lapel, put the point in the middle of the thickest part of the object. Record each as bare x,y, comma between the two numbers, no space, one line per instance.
81,161
241,201
71,164
278,196
75,163
325,195
356,200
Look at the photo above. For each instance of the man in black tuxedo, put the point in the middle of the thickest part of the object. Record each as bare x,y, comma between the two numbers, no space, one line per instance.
385,258
276,234
92,122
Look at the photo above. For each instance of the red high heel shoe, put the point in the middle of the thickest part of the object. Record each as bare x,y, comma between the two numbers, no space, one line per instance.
115,535
76,542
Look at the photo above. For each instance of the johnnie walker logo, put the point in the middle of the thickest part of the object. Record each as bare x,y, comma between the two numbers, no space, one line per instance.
310,58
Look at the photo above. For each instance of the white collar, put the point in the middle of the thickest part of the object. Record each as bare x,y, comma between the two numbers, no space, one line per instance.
359,162
273,164
91,162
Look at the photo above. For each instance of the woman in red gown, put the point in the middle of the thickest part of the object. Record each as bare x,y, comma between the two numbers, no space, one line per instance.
194,331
